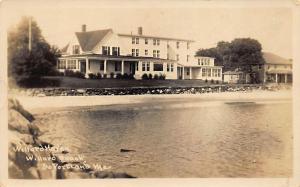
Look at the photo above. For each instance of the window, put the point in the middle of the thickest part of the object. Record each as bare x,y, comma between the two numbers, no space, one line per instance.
170,67
117,66
101,66
154,41
135,52
116,51
215,73
187,57
145,66
157,42
177,45
219,72
158,67
75,49
62,64
188,45
177,57
105,50
203,72
188,72
71,64
135,40
154,53
209,72
146,41
157,53
146,52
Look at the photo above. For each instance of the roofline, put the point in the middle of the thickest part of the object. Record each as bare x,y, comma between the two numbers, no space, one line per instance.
159,37
110,57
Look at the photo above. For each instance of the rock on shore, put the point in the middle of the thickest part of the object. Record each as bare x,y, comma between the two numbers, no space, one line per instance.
25,148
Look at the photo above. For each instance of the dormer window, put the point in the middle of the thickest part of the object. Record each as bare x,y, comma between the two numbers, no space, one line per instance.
75,49
105,50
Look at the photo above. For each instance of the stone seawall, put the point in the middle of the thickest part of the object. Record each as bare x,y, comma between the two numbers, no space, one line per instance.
28,155
147,90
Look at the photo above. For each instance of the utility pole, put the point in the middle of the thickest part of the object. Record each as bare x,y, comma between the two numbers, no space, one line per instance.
29,35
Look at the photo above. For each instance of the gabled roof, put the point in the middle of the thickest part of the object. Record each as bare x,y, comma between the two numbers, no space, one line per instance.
64,49
156,37
271,58
88,40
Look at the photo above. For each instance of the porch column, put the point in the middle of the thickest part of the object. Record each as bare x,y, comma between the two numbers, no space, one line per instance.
285,78
276,78
182,72
87,66
190,72
104,67
77,64
122,67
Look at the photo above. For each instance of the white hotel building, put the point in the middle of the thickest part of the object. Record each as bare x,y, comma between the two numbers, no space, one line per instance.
106,52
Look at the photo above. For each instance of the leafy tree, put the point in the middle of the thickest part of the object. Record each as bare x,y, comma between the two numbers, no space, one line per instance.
25,65
240,53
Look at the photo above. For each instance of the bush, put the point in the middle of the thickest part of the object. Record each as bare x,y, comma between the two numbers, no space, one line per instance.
206,80
112,75
125,76
145,76
217,81
150,76
104,75
98,76
131,76
92,76
119,76
212,81
79,74
162,77
156,77
69,73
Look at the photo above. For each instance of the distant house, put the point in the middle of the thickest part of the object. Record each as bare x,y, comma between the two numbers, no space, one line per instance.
276,69
110,53
236,76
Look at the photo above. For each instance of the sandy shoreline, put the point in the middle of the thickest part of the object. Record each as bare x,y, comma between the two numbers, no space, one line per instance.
33,104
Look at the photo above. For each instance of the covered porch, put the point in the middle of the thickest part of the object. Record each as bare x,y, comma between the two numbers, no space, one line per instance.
279,76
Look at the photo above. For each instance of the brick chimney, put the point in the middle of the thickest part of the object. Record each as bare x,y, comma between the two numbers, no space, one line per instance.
140,30
83,28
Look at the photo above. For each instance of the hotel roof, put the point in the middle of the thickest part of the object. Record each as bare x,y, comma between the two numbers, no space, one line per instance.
157,37
271,58
89,39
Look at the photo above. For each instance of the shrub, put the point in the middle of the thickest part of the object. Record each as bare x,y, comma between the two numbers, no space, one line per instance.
92,76
125,76
112,75
98,76
104,75
162,77
156,77
206,80
79,74
131,76
217,81
150,76
119,76
69,73
145,76
212,81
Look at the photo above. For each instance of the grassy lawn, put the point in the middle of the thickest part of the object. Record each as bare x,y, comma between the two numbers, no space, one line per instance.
71,82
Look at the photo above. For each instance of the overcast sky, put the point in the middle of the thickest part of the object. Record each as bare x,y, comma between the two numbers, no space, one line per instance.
207,25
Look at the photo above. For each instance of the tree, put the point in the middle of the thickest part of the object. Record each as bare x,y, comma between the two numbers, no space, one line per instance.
26,65
240,53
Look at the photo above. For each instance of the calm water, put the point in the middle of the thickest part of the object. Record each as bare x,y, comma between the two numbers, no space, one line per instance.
180,138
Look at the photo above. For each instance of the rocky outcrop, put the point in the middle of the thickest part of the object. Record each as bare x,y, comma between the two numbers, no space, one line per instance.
31,158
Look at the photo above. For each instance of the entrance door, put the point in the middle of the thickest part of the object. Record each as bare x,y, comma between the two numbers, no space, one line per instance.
82,67
132,68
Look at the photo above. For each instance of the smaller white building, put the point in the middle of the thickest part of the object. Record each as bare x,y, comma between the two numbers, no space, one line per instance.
200,67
